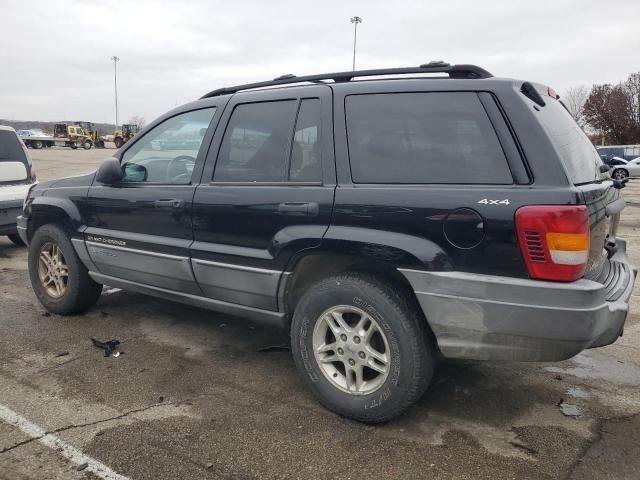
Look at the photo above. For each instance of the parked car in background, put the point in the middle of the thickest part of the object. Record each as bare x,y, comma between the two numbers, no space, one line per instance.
17,175
34,132
621,168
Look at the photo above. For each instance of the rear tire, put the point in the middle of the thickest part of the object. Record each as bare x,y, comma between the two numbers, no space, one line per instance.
15,238
36,144
409,357
73,145
620,174
77,292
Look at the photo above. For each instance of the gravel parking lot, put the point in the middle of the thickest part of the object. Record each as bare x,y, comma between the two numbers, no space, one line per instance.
202,395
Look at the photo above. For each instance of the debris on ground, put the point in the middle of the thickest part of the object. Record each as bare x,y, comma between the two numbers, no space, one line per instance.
62,354
275,348
108,346
82,467
569,410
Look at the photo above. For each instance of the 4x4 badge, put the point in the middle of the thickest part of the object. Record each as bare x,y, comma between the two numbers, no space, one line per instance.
486,201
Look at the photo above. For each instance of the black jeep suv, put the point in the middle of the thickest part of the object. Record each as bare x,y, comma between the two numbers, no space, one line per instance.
381,217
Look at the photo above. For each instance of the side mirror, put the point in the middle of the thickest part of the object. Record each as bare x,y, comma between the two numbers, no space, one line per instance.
109,171
133,172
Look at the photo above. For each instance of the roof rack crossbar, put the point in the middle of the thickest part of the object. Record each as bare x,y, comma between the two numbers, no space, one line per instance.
454,71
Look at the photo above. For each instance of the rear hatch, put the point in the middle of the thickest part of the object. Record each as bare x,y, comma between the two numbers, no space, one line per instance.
594,188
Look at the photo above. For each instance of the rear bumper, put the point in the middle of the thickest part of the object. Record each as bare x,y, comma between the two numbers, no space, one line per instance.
499,318
9,211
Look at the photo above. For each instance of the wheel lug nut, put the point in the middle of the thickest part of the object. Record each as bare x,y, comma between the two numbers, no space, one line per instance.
361,354
343,337
356,339
352,362
340,351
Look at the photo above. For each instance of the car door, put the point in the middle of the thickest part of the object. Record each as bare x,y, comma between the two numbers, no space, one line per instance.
139,229
634,167
266,193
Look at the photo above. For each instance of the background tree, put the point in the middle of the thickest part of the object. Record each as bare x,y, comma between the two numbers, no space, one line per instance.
613,111
139,121
574,99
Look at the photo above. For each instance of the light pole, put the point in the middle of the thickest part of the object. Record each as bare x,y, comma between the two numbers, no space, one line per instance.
355,21
115,83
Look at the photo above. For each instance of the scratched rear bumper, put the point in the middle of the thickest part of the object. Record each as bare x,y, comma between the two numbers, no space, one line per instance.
487,317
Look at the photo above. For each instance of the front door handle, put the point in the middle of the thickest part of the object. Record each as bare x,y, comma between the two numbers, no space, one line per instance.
174,203
310,209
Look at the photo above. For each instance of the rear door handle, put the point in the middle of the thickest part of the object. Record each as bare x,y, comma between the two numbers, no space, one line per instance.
310,209
174,203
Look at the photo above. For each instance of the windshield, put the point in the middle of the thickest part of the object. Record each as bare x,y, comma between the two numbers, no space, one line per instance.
11,148
577,153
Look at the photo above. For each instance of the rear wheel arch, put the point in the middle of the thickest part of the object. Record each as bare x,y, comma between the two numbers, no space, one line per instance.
316,266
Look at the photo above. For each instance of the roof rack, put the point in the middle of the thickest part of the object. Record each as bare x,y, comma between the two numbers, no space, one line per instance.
454,71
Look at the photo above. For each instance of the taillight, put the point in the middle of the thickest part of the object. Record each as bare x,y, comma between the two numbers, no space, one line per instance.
33,173
554,240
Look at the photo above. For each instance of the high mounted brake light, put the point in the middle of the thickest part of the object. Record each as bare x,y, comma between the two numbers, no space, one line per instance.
554,240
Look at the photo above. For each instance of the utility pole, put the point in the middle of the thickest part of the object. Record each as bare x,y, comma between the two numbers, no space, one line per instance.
115,84
355,21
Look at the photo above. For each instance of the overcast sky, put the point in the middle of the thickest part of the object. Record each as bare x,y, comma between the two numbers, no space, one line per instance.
54,58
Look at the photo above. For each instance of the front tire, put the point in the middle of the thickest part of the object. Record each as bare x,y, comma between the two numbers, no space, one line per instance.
59,279
86,145
361,347
119,142
37,144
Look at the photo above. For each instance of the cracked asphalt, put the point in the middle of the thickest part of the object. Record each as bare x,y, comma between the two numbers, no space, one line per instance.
196,395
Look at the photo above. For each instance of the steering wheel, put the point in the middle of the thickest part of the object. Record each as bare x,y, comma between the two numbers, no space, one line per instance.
177,168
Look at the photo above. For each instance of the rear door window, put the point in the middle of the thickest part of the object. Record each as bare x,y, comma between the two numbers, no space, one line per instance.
434,137
257,143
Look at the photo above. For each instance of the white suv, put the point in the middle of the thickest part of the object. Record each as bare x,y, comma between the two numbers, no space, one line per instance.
17,175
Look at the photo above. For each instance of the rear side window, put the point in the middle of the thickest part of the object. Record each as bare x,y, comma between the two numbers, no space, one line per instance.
11,148
435,137
257,143
577,153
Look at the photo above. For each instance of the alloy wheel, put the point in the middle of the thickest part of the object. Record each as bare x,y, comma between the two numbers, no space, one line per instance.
53,271
351,350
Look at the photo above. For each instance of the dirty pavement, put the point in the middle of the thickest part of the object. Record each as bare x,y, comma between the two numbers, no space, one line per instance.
201,395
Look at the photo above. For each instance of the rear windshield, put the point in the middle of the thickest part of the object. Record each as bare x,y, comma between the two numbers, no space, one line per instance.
11,149
577,153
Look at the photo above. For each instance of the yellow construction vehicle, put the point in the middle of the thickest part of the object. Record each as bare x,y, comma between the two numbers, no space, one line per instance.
92,132
73,136
126,133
